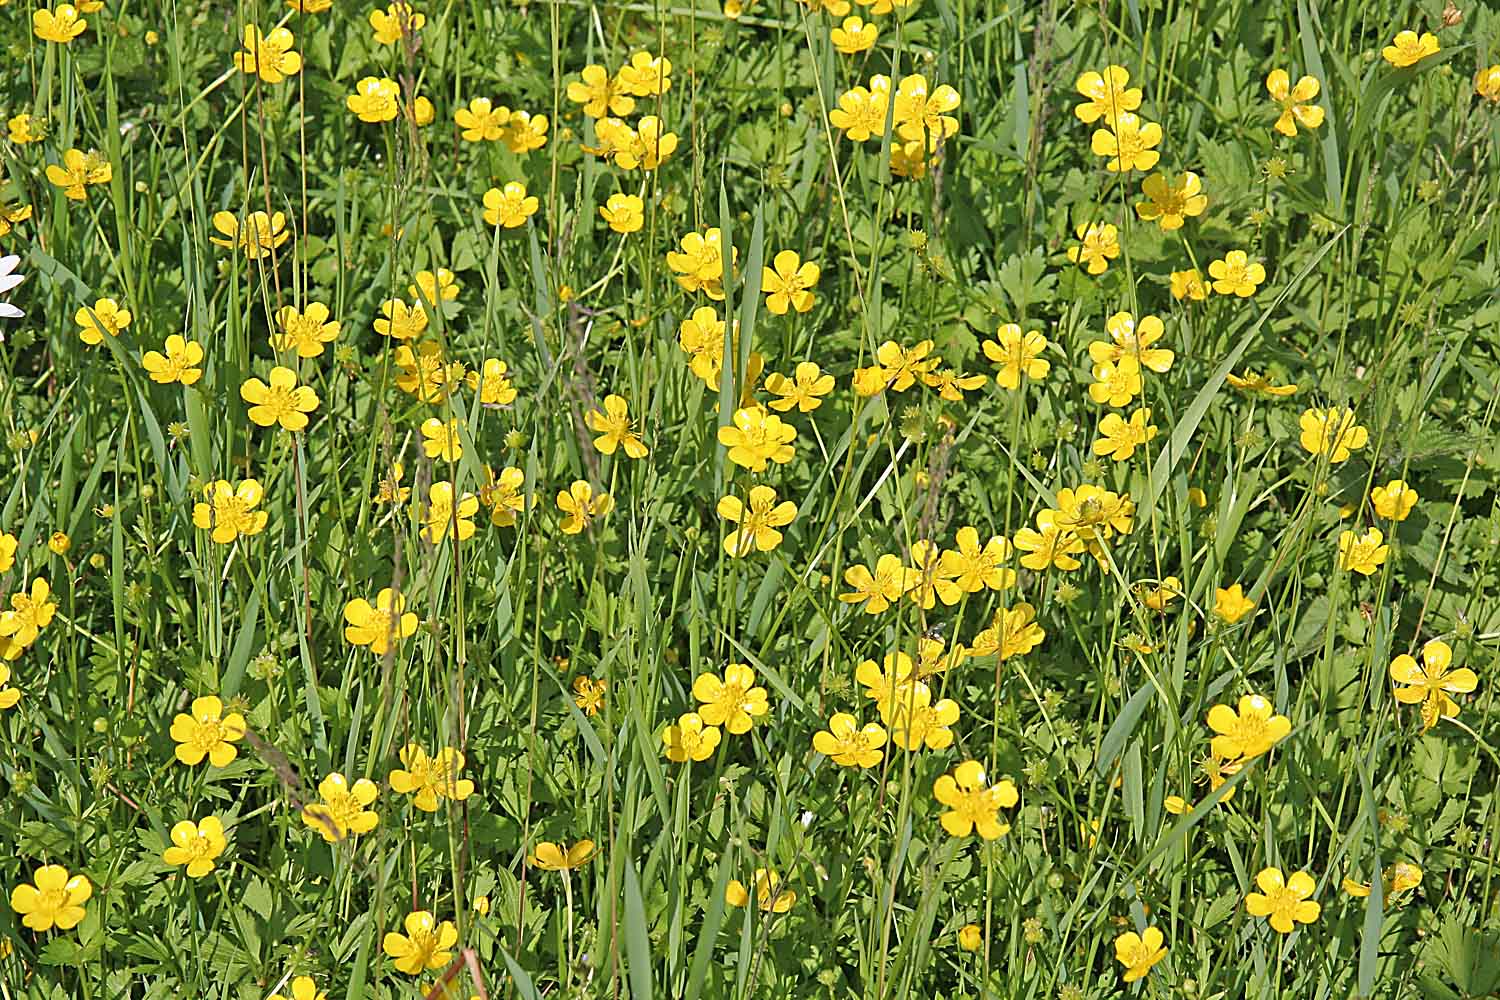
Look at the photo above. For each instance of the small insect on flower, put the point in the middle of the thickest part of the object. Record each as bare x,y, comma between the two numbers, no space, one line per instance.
1139,952
1296,102
196,845
550,857
427,944
509,207
1284,900
1408,48
56,899
1431,682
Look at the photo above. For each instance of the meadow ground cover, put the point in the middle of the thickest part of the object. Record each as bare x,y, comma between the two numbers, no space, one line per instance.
788,498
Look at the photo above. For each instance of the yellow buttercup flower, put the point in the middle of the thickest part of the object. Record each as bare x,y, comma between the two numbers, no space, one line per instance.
1128,142
106,318
1188,285
1249,732
1362,553
304,987
442,516
429,779
395,22
1132,339
230,510
1108,95
1018,355
689,739
441,440
580,506
304,332
1432,682
1119,438
60,25
1332,432
550,857
756,522
378,624
179,364
789,283
734,702
257,235
804,390
268,56
481,121
1394,501
282,402
1256,384
427,944
1284,900
196,845
375,99
625,213
1139,952
342,812
1295,102
600,93
613,425
207,732
849,744
1408,48
57,899
1099,243
29,613
1171,201
1236,274
973,804
509,206
646,75
1486,84
771,895
756,438
879,589
855,35
78,171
